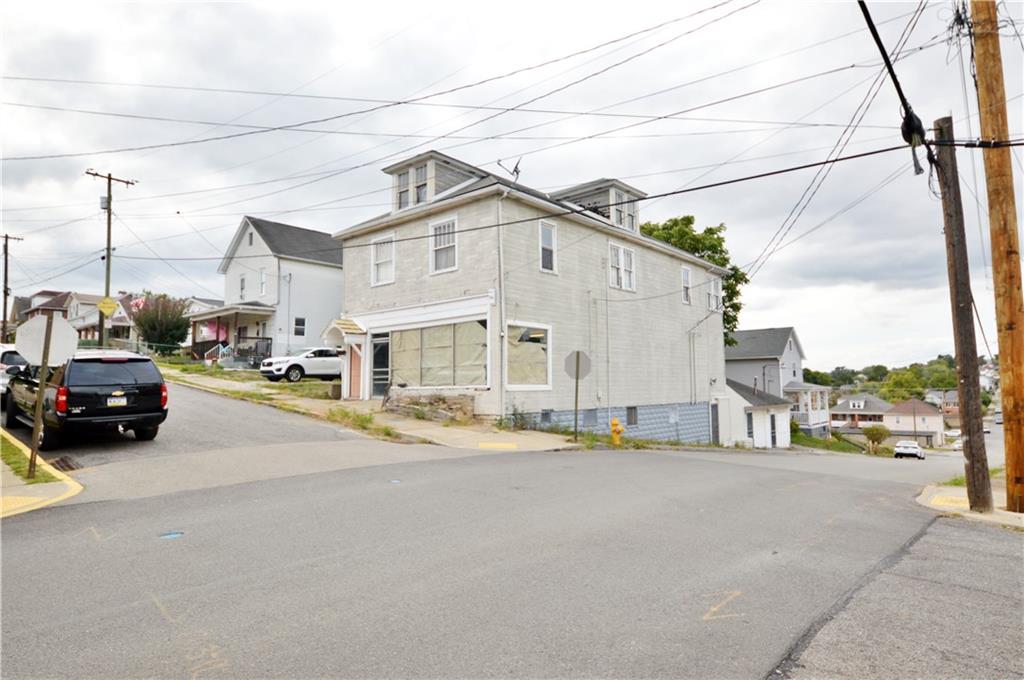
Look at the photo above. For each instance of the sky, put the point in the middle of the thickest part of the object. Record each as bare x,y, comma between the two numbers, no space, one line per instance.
675,95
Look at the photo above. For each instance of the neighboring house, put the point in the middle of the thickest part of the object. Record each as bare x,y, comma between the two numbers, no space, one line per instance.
857,411
916,419
476,285
19,306
282,287
85,318
757,418
771,360
206,332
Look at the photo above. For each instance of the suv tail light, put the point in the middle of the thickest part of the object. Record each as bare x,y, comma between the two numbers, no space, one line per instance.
163,395
61,402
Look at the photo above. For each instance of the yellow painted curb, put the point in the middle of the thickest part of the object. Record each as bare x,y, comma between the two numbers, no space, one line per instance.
11,504
950,501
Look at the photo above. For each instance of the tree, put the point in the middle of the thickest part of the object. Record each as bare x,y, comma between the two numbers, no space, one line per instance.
938,375
875,434
875,372
901,385
710,245
946,359
841,375
817,377
161,322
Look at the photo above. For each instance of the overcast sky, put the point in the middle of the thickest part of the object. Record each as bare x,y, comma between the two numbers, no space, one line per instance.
869,286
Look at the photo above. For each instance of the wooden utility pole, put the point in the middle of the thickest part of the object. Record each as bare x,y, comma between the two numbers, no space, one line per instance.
979,484
42,382
1006,262
109,207
7,289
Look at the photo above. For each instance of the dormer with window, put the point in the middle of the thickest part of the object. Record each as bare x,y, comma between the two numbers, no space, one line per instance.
420,179
616,201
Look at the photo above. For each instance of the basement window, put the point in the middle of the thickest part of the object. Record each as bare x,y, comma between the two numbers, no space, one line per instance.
631,415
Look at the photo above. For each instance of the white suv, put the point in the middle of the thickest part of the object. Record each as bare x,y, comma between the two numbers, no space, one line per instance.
908,448
315,362
8,357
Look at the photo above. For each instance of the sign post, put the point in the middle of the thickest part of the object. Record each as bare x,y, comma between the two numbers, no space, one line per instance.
43,381
577,366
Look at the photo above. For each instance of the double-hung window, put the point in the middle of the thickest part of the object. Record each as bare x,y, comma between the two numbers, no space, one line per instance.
715,295
443,255
403,189
622,267
421,183
300,326
241,286
382,261
263,282
620,207
685,282
548,244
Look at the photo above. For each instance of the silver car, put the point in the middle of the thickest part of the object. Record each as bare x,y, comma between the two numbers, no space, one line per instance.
8,357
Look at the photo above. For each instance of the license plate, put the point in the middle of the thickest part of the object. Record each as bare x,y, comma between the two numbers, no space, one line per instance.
117,401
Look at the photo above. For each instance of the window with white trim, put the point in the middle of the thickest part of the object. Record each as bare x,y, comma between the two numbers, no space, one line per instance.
548,245
263,282
622,267
402,184
300,326
421,183
750,425
528,356
715,294
382,261
619,207
250,238
631,219
685,283
241,286
443,255
450,355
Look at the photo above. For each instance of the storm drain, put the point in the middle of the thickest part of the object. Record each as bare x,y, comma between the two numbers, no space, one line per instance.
65,464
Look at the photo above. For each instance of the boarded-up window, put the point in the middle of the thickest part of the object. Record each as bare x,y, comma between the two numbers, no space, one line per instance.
405,357
527,356
438,360
452,355
471,353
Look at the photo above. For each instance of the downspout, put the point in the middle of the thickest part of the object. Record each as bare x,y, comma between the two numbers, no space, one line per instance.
288,319
501,306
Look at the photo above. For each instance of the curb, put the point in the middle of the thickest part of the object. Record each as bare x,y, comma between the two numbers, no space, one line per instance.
74,488
947,500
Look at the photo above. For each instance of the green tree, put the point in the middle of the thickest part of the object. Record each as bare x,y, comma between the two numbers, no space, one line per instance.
161,322
986,399
946,359
875,372
841,375
938,375
875,434
817,377
900,385
710,245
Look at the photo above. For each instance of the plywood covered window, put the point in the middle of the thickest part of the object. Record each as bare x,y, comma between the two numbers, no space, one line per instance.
451,355
528,356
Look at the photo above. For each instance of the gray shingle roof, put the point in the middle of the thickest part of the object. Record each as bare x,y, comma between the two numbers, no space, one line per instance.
286,240
759,398
872,404
759,344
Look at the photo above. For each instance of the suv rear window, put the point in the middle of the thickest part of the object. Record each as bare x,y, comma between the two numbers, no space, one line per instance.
116,372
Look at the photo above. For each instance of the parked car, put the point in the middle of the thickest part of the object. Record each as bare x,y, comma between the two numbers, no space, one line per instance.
95,389
999,418
958,445
953,434
908,448
315,362
8,357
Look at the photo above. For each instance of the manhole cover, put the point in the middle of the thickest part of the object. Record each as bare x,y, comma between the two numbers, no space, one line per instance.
65,464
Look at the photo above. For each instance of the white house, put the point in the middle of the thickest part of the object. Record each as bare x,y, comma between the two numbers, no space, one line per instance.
771,360
917,420
282,287
756,419
475,285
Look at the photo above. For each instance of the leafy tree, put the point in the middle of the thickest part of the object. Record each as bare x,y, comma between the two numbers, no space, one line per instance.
946,359
875,372
709,244
938,375
900,385
817,377
875,434
986,399
841,375
161,322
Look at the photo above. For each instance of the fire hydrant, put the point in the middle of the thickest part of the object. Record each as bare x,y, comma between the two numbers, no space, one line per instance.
617,430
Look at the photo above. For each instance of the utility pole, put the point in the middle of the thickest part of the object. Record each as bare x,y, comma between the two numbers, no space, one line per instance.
110,208
979,485
1002,224
7,289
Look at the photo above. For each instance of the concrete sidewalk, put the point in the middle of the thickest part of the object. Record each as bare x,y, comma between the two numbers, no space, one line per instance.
476,436
953,499
18,495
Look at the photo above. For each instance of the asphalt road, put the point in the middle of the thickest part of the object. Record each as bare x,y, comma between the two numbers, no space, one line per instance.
600,564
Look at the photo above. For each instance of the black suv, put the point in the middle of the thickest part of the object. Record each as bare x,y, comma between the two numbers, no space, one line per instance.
95,389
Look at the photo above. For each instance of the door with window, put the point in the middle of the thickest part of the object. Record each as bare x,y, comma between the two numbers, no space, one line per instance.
772,421
380,364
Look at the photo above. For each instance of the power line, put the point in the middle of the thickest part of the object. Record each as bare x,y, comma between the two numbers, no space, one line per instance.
158,257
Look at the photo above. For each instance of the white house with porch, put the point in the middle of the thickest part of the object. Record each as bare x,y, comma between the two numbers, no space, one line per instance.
771,360
282,286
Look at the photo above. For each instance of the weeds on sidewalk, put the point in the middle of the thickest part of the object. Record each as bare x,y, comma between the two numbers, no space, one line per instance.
18,463
360,421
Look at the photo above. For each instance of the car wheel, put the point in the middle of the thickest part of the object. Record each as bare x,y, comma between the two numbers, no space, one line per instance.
294,373
49,439
146,434
11,412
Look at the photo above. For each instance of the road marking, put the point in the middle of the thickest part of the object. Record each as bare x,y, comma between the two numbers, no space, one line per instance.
950,501
163,610
713,614
10,503
96,534
498,446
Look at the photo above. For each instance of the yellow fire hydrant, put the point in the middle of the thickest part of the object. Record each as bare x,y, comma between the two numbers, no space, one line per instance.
617,430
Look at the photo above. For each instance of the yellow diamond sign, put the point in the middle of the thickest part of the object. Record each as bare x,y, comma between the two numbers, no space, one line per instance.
107,306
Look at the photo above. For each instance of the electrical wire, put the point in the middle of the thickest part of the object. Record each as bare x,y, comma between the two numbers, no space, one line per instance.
164,260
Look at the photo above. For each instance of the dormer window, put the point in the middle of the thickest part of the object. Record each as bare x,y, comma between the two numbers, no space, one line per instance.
620,208
403,189
421,183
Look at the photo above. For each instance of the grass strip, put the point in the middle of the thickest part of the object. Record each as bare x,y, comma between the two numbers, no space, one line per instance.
15,459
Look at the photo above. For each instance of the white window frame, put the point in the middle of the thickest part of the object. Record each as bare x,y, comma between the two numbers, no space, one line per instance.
250,238
400,188
613,266
619,199
394,259
241,287
554,246
416,183
551,344
432,248
295,327
686,285
715,294
263,282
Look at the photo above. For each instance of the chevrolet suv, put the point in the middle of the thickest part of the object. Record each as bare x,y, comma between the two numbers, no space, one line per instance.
95,389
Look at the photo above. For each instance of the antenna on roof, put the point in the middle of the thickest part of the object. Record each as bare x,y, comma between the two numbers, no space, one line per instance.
514,171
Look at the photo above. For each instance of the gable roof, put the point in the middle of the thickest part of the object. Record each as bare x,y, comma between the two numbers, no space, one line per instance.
761,343
604,182
289,241
872,404
59,301
914,407
756,397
